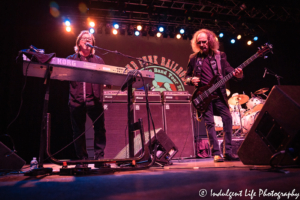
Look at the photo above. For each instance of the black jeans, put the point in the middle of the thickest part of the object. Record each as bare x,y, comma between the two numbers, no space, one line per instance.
78,119
225,114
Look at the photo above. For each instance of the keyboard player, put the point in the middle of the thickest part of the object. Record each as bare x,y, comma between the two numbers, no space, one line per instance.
87,98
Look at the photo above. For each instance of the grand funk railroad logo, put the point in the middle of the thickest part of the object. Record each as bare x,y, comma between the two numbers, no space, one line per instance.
168,76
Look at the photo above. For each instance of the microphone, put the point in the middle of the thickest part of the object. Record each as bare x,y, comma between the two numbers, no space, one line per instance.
265,72
89,45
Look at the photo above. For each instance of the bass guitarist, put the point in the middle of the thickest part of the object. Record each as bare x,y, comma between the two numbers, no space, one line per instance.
206,62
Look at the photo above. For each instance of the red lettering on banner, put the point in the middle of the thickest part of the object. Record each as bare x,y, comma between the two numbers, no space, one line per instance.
144,58
172,65
179,70
155,60
150,59
163,61
168,63
174,69
182,74
134,65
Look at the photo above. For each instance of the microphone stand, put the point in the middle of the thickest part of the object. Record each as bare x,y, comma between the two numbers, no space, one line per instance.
274,74
128,85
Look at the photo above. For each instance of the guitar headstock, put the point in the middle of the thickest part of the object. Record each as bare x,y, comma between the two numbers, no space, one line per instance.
266,48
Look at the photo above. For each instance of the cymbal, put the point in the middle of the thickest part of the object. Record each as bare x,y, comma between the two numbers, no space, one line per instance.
240,99
261,91
227,92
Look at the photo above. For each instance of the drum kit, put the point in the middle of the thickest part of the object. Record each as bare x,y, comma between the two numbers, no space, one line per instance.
243,119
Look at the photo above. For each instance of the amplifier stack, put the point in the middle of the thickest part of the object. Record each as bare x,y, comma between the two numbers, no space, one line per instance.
170,111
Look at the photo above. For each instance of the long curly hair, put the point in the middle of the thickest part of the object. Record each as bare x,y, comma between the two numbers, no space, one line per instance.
213,43
76,48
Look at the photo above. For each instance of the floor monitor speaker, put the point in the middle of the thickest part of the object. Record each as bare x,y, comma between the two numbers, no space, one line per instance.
276,128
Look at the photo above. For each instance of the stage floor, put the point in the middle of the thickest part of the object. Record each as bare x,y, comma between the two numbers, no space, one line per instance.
185,179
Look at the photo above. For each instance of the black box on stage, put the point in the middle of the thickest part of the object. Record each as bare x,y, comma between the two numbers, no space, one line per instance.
183,96
114,96
275,129
9,161
156,109
140,96
115,115
179,128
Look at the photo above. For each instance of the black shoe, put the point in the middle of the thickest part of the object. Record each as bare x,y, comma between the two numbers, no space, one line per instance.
102,165
231,157
218,158
81,166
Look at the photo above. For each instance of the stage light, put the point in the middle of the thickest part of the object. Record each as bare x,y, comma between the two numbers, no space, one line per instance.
221,35
178,36
239,37
115,31
255,38
67,23
68,28
92,24
161,29
181,31
92,30
158,34
232,41
136,33
139,27
249,42
116,26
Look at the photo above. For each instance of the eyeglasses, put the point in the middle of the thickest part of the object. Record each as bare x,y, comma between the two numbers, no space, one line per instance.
203,42
86,39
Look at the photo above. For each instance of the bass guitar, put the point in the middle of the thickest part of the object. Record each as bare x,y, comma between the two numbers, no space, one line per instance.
202,96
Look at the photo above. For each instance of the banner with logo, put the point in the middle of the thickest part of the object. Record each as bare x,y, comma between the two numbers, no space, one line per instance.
169,55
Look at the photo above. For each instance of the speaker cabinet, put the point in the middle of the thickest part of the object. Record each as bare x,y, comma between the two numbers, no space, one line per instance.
9,161
179,128
276,128
156,109
115,115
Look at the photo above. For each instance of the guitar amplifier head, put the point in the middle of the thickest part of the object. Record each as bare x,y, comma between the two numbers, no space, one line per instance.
114,96
183,96
140,96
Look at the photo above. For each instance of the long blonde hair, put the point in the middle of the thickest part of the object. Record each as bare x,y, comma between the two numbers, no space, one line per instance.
213,42
76,48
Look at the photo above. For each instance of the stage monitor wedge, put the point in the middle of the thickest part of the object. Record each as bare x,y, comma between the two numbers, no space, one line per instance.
276,128
9,161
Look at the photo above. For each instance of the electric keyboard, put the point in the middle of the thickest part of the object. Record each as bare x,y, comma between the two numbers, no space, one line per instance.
73,70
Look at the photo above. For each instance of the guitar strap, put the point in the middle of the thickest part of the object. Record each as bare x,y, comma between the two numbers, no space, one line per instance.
218,59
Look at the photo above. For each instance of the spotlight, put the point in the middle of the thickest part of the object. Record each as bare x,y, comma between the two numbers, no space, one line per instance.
178,36
67,23
255,38
158,34
116,26
232,41
92,24
68,28
161,29
181,31
221,35
239,37
115,31
139,27
136,33
92,30
249,42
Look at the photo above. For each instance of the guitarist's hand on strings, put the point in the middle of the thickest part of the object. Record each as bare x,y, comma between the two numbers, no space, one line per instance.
238,73
195,80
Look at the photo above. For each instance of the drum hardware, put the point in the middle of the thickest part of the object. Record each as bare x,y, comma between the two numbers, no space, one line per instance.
237,100
262,91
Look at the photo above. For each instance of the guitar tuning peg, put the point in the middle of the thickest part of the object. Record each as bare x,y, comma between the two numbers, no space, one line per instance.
265,57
